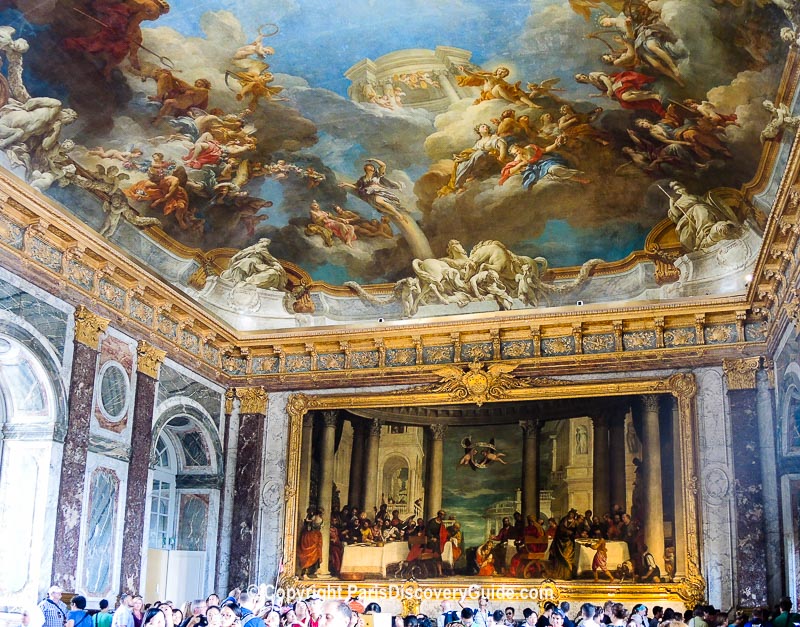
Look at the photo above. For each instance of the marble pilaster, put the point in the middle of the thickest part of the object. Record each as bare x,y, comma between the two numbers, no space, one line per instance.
715,475
653,494
69,508
751,567
617,463
329,420
232,407
767,458
601,482
370,496
530,468
247,485
149,359
433,491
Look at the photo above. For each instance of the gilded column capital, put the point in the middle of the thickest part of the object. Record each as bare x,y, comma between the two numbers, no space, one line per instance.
740,374
438,431
330,418
229,396
254,400
148,359
89,327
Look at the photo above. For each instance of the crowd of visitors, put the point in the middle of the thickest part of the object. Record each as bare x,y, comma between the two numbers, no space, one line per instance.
253,608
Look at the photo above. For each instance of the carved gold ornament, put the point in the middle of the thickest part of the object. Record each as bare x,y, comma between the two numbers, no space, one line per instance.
254,400
478,384
148,359
89,327
740,374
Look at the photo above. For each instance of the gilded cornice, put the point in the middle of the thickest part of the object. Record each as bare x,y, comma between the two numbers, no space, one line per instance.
53,250
149,359
89,327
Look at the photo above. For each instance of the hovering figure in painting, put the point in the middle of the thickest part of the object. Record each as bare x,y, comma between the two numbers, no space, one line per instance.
491,454
486,154
374,188
256,48
177,96
115,31
628,88
255,84
494,86
470,452
537,164
544,89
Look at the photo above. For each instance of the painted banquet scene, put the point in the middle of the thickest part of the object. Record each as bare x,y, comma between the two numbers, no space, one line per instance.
399,314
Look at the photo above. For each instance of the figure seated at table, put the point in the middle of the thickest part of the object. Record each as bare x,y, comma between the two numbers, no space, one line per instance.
421,561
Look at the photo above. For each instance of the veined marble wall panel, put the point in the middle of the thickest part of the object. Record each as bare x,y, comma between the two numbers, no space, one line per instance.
102,527
197,527
716,487
175,380
117,350
29,480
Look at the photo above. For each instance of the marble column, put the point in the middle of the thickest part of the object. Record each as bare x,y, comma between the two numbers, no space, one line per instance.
69,507
247,484
148,363
600,463
766,436
370,496
433,492
653,497
751,563
304,493
329,421
530,468
232,407
616,454
356,464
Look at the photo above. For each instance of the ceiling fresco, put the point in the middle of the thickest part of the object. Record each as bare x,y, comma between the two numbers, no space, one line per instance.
461,150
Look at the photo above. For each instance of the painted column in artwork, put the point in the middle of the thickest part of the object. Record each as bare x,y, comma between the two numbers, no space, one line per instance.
530,467
616,454
653,496
148,363
433,493
356,464
600,464
88,330
751,562
678,487
370,496
247,485
329,422
304,493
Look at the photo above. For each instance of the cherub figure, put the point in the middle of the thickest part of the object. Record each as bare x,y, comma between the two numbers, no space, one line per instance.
494,86
469,454
490,454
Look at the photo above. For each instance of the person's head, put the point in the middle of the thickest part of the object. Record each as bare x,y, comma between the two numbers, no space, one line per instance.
531,618
78,602
785,604
199,607
440,514
498,616
582,78
54,593
587,611
502,72
509,613
557,618
564,606
410,621
466,617
658,611
483,603
103,605
213,615
372,608
177,616
548,608
669,614
272,618
212,599
154,617
640,609
301,611
618,611
335,614
506,522
229,613
315,605
137,603
369,168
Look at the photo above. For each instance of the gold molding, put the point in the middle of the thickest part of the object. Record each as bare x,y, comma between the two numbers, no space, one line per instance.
740,374
89,327
253,400
149,359
689,589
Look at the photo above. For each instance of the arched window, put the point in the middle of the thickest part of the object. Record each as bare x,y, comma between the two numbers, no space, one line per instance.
25,387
